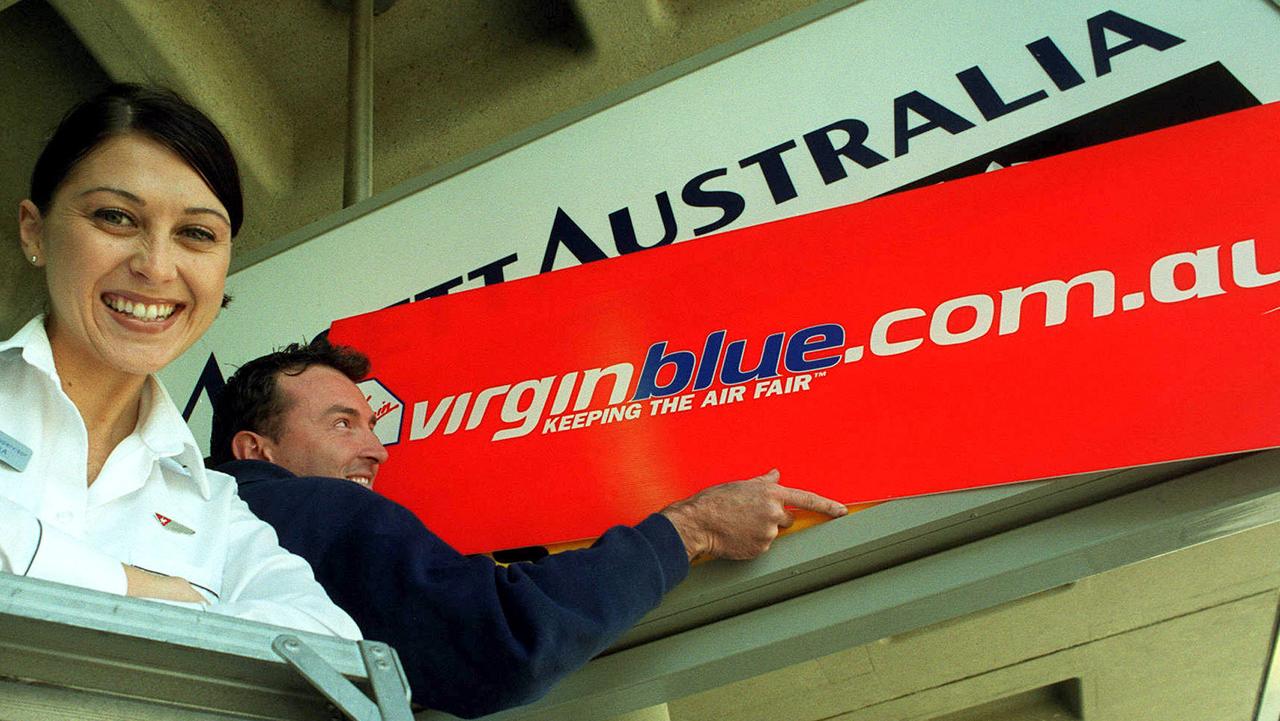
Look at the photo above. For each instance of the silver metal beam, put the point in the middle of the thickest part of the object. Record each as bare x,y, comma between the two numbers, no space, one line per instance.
74,638
882,537
358,175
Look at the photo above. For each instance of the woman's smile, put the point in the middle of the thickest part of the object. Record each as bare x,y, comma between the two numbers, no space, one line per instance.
142,314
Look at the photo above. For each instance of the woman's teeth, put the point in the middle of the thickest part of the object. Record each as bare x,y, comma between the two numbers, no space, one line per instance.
141,311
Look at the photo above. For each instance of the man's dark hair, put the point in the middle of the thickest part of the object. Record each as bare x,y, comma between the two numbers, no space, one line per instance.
251,402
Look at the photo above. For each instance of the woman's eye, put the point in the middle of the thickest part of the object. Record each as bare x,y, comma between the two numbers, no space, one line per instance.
114,216
199,234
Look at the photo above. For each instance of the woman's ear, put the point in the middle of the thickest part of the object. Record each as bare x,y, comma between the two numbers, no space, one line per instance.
31,232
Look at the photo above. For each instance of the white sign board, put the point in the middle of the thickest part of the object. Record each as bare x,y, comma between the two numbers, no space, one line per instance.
863,101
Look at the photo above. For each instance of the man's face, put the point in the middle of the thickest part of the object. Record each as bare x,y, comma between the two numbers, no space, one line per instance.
326,428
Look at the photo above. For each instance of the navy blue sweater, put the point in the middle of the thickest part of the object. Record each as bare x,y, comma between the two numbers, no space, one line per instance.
474,637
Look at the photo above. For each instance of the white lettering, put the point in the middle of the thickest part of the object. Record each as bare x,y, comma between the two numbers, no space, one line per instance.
880,343
621,373
528,416
564,393
459,410
1205,282
940,333
421,427
1056,293
1244,267
482,404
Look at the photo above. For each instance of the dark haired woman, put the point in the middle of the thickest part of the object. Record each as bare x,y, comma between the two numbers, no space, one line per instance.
133,205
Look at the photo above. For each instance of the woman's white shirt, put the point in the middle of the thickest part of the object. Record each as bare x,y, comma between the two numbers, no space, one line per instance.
153,505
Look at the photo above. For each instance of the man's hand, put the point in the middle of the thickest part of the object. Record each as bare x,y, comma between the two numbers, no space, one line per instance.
739,520
145,584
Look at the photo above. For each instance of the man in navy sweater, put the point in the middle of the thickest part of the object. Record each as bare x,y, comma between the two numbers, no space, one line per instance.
474,637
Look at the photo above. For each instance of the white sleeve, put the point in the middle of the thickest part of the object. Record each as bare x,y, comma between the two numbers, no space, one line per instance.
264,582
31,548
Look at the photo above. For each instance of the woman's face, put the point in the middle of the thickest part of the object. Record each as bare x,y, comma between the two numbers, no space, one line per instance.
135,248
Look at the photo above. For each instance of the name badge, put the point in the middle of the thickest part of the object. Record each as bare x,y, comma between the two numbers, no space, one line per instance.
13,453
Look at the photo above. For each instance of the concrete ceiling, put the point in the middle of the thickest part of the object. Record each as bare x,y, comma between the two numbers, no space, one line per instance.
450,77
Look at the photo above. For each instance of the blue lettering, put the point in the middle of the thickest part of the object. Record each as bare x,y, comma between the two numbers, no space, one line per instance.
624,231
210,381
813,340
657,359
710,357
937,115
1138,34
732,373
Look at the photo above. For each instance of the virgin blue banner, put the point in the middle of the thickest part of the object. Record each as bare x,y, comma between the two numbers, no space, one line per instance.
1110,307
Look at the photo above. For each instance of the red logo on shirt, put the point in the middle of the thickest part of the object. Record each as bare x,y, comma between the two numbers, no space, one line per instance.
173,525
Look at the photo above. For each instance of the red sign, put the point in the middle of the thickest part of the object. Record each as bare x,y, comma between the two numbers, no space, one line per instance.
1111,307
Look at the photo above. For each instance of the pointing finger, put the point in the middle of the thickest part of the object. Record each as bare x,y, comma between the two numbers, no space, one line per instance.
812,502
787,520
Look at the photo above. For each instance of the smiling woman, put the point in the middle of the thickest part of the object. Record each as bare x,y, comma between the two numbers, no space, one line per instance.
133,206
136,248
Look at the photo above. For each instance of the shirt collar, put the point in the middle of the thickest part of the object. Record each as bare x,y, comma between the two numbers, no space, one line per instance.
164,431
160,426
34,342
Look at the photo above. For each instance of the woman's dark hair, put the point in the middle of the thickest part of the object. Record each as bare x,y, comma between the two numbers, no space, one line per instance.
156,113
250,400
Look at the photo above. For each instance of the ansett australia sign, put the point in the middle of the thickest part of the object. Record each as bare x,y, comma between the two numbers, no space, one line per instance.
870,98
1110,307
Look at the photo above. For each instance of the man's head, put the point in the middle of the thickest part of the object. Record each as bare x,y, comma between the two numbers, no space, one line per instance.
300,408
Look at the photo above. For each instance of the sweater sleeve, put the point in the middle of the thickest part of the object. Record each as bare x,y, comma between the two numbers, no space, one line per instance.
482,637
476,637
262,582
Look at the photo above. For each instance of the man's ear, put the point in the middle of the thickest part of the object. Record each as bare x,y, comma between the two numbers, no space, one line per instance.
250,446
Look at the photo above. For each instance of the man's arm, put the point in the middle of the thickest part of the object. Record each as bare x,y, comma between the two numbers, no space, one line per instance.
261,581
476,637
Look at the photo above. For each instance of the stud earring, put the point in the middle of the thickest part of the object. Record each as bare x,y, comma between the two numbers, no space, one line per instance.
33,260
